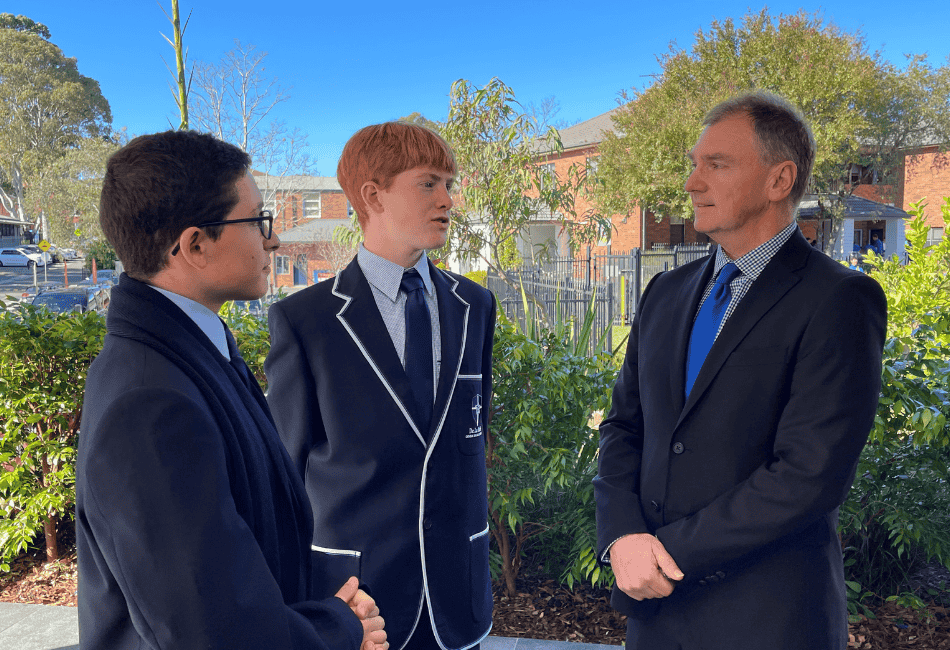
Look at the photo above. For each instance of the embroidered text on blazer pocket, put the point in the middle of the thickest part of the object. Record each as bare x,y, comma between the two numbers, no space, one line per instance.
332,567
467,415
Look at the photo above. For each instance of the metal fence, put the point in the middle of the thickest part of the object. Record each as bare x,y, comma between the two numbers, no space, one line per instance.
567,286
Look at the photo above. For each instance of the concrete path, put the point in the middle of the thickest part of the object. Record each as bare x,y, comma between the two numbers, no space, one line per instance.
43,627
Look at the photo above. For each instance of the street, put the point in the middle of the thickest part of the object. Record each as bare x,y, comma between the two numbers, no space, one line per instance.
15,280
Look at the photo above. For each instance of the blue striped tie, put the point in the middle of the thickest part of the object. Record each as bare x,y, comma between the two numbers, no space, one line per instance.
707,323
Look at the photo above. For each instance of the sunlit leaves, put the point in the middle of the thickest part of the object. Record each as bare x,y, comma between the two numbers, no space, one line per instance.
44,358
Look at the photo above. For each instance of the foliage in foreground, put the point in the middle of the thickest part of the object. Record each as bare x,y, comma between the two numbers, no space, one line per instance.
541,447
897,515
43,362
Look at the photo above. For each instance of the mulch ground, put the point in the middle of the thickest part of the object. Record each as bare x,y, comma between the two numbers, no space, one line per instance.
541,609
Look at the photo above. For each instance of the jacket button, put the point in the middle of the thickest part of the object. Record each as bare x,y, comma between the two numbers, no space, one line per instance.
427,524
678,448
656,506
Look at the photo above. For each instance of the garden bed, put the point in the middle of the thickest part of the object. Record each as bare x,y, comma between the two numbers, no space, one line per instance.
542,608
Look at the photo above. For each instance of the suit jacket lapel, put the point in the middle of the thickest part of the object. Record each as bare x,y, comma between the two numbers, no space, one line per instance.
682,326
768,289
453,327
361,319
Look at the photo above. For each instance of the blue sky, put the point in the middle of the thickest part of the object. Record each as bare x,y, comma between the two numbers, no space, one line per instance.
356,63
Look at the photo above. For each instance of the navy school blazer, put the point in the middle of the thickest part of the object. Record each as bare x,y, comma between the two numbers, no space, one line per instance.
192,527
402,508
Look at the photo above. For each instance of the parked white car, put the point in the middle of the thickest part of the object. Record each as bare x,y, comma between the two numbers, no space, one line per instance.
36,250
21,257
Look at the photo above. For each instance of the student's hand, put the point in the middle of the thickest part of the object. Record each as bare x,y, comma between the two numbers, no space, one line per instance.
374,636
642,567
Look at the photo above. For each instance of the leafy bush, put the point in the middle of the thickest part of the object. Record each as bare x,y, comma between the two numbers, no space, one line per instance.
918,292
44,357
541,442
252,338
104,254
898,512
479,277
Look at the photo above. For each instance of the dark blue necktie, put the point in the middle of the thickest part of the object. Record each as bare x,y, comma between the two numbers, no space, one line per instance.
707,323
418,346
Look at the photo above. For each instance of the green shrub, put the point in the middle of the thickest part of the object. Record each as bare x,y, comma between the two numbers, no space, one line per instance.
252,338
898,512
43,362
541,443
104,254
478,277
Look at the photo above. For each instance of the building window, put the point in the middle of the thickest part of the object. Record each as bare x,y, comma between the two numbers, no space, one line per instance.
592,162
283,265
547,175
311,204
935,236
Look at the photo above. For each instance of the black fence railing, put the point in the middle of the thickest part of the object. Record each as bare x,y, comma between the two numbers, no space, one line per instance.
565,287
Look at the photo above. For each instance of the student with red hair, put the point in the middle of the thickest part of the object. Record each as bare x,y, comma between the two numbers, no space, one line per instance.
380,380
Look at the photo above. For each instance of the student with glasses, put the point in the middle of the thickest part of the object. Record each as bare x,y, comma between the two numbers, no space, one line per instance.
193,528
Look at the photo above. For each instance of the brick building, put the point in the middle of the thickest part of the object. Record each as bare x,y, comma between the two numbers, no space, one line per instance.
926,174
13,232
637,229
306,210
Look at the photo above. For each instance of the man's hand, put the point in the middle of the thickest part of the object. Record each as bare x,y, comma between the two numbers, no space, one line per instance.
374,636
642,567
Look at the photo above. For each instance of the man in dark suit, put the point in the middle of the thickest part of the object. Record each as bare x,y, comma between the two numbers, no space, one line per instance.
192,525
747,393
380,381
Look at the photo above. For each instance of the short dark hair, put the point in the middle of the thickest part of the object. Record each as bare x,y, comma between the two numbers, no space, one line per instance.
781,130
159,185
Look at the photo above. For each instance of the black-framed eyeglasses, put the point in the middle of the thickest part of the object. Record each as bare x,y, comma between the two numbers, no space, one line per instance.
265,221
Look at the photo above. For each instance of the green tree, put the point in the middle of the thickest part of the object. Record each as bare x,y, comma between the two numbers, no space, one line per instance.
46,107
501,189
43,362
68,188
23,24
828,74
909,107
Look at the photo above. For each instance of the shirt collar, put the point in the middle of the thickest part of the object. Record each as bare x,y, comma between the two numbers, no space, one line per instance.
206,320
386,276
754,262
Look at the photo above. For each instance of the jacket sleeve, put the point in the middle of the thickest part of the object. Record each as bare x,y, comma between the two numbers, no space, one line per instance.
161,510
832,396
292,390
617,484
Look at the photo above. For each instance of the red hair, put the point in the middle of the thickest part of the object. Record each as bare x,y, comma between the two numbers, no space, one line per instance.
380,152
